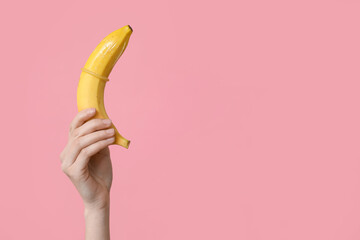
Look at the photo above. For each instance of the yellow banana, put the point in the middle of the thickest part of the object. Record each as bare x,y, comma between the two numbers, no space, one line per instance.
95,74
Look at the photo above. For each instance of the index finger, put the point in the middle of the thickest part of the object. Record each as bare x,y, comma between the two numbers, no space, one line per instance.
81,117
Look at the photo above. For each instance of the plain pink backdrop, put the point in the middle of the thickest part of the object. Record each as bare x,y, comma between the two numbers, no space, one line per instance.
243,115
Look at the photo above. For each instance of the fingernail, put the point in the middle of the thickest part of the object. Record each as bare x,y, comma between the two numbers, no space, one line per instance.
91,110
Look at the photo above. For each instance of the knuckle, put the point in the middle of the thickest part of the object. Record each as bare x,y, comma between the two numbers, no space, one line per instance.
75,133
77,143
71,127
63,155
64,169
69,172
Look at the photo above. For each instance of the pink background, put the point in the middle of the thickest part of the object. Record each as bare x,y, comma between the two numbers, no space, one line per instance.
243,116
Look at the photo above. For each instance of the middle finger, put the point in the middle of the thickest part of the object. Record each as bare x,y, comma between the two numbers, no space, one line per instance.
92,126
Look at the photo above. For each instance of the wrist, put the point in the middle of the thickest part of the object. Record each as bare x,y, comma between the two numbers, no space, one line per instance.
99,212
99,205
103,207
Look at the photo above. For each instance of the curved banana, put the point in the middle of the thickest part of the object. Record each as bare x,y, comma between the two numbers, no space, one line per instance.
95,73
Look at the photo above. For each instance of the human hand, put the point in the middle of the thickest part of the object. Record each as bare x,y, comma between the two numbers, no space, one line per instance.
86,158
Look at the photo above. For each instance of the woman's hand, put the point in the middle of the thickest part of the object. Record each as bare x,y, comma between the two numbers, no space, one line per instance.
86,158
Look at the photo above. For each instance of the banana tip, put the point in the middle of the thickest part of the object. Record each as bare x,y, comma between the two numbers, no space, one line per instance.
131,28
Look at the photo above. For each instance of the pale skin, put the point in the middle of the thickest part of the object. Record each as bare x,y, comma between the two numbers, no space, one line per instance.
86,161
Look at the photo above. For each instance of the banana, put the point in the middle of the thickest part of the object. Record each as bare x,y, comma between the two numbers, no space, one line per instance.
95,74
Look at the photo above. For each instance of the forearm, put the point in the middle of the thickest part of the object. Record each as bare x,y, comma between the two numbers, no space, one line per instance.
97,223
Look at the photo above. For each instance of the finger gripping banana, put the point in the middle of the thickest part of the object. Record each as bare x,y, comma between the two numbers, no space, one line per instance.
95,75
